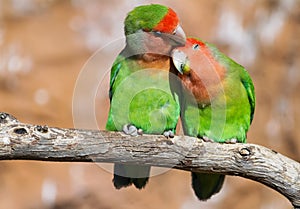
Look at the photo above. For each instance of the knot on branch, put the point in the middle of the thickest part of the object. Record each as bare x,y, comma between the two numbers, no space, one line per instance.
245,155
6,119
245,152
20,131
15,132
42,129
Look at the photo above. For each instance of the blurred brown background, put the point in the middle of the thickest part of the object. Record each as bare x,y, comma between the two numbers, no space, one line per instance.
44,45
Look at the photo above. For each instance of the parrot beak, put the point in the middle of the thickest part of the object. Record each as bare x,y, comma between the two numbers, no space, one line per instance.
179,33
180,60
178,37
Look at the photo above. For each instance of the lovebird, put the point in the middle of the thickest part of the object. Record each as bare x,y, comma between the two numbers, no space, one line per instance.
140,97
217,101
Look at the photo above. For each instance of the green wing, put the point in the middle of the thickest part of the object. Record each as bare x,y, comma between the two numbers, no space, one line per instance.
117,65
248,84
243,73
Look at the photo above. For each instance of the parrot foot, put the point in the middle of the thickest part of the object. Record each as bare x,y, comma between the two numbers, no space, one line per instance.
132,130
140,131
206,139
169,134
231,141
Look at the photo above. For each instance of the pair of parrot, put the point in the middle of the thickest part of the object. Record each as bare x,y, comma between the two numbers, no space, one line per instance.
160,76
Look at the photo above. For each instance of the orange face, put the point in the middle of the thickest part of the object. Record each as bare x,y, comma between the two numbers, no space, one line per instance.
200,73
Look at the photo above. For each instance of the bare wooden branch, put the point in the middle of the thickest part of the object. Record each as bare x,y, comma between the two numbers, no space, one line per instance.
34,142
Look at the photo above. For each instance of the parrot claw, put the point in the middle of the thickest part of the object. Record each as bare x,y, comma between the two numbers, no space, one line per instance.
169,134
206,139
140,131
231,141
131,130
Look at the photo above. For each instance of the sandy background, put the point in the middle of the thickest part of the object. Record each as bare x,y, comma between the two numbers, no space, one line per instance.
44,45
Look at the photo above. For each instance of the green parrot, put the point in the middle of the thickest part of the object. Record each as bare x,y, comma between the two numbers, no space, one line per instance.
140,97
217,101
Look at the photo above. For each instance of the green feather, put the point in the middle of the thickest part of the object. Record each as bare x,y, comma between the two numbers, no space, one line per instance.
206,185
122,180
144,17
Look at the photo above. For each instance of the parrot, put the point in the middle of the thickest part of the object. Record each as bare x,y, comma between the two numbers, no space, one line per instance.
217,101
140,96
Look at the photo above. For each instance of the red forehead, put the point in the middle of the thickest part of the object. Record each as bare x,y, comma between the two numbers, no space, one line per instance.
192,41
203,49
169,23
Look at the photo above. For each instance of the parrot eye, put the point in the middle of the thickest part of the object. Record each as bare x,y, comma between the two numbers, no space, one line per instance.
157,33
196,46
182,66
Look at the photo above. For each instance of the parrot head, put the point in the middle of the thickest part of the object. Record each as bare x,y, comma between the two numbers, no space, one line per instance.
198,69
153,27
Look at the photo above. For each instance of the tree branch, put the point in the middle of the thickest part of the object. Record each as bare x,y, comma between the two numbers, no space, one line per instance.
34,142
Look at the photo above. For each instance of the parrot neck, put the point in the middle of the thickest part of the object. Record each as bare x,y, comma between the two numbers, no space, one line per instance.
196,87
151,61
150,57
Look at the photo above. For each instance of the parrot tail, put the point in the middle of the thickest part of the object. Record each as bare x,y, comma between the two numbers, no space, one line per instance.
206,185
125,175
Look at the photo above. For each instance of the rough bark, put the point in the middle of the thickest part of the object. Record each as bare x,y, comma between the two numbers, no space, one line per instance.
19,141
